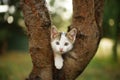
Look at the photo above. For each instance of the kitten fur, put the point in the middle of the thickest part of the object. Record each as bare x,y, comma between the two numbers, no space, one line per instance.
61,43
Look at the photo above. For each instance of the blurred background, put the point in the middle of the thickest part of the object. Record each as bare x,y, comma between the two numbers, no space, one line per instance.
15,61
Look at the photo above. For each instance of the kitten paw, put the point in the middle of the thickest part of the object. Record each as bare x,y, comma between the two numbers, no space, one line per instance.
59,63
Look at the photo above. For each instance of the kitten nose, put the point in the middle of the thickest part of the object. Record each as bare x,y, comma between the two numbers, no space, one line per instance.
61,49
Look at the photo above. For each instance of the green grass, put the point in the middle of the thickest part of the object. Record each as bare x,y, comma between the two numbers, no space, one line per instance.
101,69
18,66
15,66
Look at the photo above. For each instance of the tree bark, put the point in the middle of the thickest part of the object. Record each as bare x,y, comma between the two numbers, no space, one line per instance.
87,18
38,22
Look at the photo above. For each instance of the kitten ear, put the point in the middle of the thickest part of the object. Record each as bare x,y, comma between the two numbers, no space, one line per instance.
54,32
72,34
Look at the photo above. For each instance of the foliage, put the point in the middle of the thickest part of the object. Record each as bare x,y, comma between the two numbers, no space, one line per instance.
12,25
111,23
57,11
111,19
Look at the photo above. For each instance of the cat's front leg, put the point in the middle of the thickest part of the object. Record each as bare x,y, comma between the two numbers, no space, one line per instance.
58,61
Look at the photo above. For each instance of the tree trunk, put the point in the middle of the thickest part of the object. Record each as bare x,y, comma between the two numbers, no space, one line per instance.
38,22
87,18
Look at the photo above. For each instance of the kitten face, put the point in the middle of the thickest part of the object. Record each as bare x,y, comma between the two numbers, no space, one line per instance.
62,42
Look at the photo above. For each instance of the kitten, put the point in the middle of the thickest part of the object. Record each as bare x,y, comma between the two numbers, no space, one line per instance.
61,43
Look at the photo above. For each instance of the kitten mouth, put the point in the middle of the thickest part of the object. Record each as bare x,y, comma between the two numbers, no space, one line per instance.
61,51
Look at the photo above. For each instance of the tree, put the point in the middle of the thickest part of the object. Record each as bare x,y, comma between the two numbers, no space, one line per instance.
87,20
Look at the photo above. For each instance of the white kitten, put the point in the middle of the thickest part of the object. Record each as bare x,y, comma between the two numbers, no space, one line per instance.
61,43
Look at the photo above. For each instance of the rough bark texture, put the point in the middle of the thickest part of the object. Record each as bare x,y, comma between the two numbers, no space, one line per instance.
87,18
98,8
38,22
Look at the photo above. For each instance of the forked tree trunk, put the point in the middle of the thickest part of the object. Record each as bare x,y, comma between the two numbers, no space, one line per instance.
87,18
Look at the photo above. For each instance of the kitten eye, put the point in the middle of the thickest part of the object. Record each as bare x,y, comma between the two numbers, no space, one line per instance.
66,43
57,43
